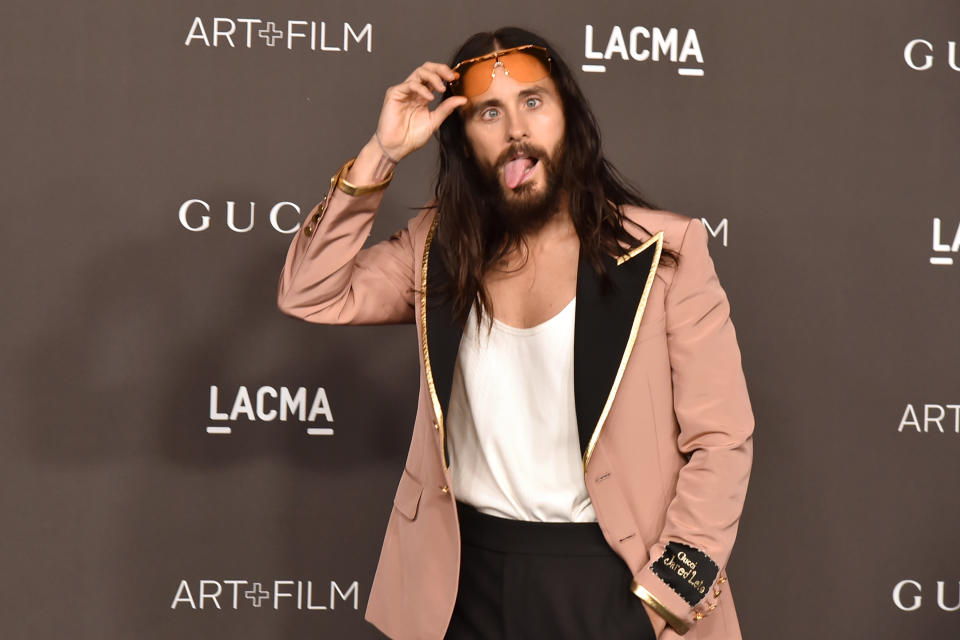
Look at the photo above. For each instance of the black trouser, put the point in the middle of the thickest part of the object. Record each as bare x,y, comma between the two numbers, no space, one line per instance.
531,580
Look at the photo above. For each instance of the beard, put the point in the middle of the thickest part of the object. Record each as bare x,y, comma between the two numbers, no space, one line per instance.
529,206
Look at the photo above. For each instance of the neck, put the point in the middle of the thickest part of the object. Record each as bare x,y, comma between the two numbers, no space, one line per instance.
558,228
557,235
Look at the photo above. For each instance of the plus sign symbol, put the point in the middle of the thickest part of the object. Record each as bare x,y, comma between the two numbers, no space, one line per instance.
270,34
257,593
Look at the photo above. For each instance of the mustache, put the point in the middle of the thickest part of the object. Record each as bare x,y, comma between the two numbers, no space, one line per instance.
524,148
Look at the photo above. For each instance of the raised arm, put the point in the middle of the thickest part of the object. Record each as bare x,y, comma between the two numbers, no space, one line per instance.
328,277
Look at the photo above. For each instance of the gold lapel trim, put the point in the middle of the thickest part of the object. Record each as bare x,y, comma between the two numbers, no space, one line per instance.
437,409
658,238
657,241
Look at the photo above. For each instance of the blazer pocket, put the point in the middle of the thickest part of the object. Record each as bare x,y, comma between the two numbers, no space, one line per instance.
407,499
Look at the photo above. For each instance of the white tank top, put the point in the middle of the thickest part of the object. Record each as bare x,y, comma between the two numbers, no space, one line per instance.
512,423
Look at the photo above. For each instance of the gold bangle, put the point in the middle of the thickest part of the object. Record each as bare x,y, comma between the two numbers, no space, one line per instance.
340,182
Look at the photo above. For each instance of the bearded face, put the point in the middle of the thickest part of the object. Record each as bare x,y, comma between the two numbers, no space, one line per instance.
515,134
526,184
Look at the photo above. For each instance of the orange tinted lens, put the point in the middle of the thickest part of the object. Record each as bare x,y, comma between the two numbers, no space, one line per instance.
519,65
524,67
476,78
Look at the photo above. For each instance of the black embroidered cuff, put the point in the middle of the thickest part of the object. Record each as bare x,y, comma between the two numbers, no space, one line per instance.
687,570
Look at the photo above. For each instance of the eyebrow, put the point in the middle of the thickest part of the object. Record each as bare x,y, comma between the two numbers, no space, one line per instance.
496,102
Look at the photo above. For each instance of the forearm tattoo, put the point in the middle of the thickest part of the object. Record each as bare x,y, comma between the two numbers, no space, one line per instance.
384,166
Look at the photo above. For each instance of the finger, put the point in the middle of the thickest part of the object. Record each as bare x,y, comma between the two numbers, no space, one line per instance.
445,108
419,89
431,78
442,70
409,88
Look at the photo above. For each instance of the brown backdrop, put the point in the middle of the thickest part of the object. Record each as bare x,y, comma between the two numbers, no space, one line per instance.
814,138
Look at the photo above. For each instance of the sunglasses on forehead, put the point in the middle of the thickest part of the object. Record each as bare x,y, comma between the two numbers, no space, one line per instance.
527,63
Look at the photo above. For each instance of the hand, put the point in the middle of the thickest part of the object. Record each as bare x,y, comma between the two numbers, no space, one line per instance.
406,122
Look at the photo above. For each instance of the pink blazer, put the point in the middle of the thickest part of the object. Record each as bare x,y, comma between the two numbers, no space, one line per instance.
664,416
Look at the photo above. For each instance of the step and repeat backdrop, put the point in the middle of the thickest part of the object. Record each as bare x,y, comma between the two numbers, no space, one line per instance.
181,460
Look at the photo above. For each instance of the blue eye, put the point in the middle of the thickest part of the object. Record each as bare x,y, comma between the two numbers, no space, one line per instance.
533,102
489,113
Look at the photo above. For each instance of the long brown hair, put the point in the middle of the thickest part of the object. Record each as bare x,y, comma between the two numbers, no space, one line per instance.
469,241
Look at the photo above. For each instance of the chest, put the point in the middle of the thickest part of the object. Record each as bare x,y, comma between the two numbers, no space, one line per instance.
526,293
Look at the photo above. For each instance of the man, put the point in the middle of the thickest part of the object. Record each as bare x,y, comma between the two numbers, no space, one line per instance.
582,445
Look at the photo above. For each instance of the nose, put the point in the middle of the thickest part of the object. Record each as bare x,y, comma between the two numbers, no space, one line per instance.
517,128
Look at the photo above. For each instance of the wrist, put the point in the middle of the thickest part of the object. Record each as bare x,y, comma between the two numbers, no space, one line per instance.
391,156
371,166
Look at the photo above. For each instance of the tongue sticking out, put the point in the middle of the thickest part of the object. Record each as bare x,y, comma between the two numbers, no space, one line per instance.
516,170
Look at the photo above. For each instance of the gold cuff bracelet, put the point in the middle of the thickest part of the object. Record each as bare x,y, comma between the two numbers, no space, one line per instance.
341,183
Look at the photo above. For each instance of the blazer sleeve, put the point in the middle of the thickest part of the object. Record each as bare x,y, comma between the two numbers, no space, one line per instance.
684,577
328,276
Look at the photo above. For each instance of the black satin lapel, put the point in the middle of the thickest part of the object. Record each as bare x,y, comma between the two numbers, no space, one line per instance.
443,333
604,319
